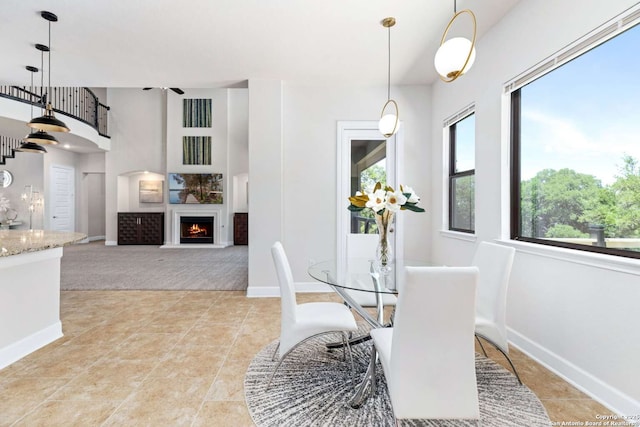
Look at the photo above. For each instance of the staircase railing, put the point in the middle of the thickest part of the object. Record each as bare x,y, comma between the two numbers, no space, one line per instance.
8,146
77,102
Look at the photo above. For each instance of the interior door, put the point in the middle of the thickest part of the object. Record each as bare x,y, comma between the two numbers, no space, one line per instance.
62,198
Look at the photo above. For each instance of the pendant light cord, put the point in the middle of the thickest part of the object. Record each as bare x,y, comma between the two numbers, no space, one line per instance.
31,95
455,6
42,100
389,66
49,71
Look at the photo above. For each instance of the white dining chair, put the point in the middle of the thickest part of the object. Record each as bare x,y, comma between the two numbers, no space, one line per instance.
494,262
361,250
301,322
428,357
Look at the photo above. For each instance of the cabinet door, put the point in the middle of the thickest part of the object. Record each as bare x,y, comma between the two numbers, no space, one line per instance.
127,229
151,229
241,229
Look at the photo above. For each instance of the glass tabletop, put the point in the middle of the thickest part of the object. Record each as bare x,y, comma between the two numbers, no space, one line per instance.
363,274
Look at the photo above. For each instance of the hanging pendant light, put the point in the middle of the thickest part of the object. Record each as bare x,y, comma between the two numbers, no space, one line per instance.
31,147
456,55
31,142
388,124
48,121
39,136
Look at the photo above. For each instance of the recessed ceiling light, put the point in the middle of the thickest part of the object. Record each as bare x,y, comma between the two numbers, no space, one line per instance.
67,146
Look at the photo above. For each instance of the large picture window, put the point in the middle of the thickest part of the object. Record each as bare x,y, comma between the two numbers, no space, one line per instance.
575,134
462,181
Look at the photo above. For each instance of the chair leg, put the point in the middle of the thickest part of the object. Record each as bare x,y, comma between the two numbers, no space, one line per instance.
481,346
273,357
374,361
345,339
506,356
290,350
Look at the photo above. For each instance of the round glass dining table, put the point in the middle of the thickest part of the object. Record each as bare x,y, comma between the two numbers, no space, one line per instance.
358,275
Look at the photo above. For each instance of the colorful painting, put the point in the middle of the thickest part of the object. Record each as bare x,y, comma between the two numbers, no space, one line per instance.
195,188
151,191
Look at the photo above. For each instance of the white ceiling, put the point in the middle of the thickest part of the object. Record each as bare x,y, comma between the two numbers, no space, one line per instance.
215,43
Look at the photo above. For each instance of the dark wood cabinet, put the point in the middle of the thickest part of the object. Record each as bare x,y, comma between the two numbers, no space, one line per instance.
140,228
241,229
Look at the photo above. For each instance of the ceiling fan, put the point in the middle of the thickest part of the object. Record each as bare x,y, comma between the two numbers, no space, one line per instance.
175,89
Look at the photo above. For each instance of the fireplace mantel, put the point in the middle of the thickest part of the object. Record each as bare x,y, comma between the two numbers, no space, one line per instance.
175,231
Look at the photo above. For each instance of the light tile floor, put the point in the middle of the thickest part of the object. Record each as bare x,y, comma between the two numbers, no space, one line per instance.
160,358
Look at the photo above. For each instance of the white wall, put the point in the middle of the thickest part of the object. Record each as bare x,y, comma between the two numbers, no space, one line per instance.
578,319
265,175
137,130
292,170
238,150
94,183
91,214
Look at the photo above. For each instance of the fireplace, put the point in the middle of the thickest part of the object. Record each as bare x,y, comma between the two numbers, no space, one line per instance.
216,239
196,229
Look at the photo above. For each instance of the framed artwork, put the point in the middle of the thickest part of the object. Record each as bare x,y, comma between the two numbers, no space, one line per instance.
196,188
196,150
151,191
196,113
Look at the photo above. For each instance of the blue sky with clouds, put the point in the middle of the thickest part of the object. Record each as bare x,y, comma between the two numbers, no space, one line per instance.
586,114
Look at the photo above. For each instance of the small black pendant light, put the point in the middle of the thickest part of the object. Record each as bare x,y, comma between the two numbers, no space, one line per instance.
48,122
39,136
30,145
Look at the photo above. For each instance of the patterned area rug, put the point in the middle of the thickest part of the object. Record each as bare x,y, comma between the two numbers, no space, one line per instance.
312,386
94,266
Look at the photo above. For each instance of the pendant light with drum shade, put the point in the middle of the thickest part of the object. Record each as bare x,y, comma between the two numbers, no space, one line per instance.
31,141
388,124
48,121
456,55
36,137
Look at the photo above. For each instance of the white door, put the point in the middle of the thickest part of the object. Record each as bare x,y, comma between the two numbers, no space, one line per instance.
350,136
62,198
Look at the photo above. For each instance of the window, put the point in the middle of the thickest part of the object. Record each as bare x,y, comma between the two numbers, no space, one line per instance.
369,165
462,174
576,151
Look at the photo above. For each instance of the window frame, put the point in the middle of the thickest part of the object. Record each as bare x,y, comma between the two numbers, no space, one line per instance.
598,37
453,175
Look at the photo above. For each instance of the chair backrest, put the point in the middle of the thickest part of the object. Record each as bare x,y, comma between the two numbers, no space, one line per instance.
360,249
287,287
432,352
494,263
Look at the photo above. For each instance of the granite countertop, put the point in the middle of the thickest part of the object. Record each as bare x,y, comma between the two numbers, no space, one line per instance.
14,242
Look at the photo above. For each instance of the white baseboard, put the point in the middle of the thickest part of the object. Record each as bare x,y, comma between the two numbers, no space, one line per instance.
29,344
263,292
110,243
94,238
274,291
617,401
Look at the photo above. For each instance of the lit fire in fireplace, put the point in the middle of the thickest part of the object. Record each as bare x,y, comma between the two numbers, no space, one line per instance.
195,230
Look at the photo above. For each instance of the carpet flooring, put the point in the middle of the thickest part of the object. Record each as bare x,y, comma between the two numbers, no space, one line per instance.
94,266
312,388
